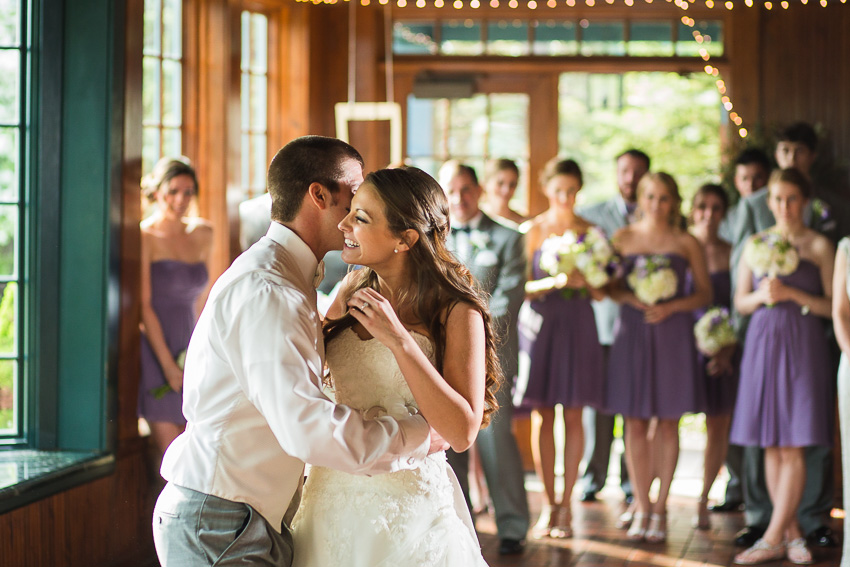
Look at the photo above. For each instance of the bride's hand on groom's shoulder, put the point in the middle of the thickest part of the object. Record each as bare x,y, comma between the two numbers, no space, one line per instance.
375,313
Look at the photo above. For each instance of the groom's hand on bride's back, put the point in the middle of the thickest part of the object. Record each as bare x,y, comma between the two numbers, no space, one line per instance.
437,442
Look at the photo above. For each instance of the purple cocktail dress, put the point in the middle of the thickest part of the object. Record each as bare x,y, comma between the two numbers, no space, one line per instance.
653,369
561,360
175,286
785,392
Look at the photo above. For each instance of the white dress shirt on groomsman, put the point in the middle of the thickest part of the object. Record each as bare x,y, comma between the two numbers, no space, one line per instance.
610,216
252,384
495,256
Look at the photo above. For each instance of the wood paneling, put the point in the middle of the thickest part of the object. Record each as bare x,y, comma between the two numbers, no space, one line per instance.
99,523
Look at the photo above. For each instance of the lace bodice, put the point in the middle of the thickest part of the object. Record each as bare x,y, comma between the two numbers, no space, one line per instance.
364,374
402,518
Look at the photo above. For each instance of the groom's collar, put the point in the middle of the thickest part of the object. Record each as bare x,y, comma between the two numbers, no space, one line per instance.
304,260
472,224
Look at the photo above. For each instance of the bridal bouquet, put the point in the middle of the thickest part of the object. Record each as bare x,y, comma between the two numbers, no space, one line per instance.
770,253
713,331
160,391
652,279
590,253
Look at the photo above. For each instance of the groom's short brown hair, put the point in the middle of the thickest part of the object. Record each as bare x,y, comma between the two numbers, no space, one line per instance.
301,162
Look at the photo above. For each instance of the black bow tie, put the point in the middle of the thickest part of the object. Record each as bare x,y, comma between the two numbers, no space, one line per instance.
465,229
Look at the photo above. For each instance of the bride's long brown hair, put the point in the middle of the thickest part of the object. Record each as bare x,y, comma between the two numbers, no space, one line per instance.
414,200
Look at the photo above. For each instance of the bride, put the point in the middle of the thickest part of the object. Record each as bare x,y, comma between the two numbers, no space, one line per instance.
408,332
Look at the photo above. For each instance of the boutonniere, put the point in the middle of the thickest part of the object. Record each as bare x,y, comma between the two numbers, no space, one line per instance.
478,239
821,209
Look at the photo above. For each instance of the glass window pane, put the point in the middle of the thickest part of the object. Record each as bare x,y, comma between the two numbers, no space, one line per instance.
602,38
245,61
10,18
10,64
9,156
171,142
8,322
508,126
8,240
150,90
171,93
259,166
467,127
150,147
172,36
461,37
507,38
8,397
153,27
245,165
555,38
421,134
413,38
650,38
259,43
259,103
244,102
711,32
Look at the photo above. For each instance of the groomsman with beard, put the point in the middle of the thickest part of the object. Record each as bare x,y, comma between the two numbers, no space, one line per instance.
495,257
610,216
796,147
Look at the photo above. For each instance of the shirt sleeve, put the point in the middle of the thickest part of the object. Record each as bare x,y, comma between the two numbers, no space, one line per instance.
273,339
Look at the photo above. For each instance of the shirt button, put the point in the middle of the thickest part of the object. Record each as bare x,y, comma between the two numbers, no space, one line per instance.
410,460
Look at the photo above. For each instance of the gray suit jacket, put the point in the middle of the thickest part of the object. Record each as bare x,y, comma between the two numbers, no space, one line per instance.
607,215
498,264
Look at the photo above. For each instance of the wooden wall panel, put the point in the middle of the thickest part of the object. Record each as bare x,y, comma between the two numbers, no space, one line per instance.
105,522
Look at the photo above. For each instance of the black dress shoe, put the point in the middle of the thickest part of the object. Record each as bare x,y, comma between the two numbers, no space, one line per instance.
748,536
728,506
588,496
511,546
822,537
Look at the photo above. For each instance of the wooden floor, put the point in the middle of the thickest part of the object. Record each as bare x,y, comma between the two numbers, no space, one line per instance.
597,543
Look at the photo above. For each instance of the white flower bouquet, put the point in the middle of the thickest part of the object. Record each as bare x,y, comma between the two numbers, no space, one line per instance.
590,253
652,279
771,254
713,331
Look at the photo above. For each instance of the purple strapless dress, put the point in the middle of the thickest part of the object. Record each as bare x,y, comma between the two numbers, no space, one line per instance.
561,360
653,369
175,286
720,391
785,392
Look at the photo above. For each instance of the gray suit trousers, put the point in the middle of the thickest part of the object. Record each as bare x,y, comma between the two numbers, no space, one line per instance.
192,528
503,470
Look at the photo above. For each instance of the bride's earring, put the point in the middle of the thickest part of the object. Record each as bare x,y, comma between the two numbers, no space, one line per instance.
396,250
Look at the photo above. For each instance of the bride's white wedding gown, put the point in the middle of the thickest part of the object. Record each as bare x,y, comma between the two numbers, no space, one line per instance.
403,519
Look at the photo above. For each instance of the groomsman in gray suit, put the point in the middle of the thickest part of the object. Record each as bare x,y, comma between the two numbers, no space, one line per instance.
610,216
495,255
796,147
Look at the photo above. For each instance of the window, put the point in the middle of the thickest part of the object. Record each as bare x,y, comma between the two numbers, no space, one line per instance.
254,97
472,130
14,59
585,37
162,85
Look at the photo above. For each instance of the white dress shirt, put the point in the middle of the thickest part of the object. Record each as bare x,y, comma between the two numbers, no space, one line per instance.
252,396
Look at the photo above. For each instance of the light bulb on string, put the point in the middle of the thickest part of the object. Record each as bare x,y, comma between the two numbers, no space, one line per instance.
784,4
532,5
742,132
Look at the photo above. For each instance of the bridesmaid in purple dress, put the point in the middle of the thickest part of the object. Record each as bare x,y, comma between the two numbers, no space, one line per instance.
784,396
560,354
708,209
653,370
174,286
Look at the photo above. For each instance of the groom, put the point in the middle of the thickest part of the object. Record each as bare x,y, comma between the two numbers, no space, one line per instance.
252,383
